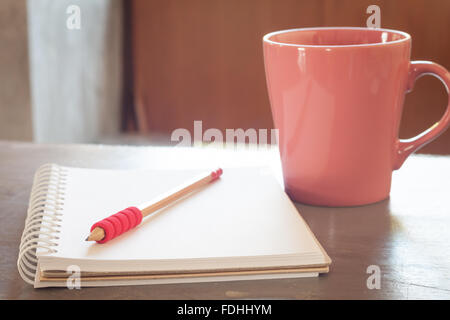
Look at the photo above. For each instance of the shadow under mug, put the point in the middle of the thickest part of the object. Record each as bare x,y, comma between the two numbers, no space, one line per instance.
337,97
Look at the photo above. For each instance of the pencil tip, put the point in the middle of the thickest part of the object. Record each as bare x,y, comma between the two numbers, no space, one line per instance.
87,238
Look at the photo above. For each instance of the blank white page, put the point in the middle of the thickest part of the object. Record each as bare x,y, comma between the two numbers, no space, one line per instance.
245,213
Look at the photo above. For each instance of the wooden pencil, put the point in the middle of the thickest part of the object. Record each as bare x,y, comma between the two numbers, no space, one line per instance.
124,220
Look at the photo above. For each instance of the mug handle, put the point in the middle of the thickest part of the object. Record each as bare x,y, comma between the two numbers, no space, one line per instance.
404,147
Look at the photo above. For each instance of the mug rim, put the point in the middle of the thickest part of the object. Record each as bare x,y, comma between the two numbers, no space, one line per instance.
266,38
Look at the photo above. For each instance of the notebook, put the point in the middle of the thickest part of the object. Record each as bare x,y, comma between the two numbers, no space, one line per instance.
241,227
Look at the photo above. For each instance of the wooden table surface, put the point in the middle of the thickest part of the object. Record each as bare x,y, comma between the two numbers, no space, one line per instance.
406,236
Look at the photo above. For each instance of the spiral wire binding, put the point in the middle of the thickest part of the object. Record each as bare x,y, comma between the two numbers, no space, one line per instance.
42,224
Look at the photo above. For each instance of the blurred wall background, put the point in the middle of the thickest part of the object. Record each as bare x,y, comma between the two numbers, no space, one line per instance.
15,107
202,59
76,74
147,67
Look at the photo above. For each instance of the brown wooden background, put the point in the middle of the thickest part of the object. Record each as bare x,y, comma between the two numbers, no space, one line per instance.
202,59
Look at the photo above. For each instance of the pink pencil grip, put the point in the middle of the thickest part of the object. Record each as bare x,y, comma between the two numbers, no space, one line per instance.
119,223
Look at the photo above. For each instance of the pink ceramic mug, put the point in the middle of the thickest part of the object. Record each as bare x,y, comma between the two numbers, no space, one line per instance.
337,97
